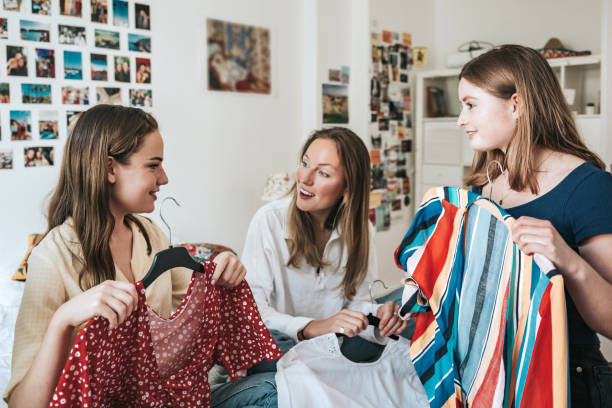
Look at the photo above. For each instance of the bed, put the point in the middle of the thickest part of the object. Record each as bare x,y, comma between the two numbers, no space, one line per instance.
10,298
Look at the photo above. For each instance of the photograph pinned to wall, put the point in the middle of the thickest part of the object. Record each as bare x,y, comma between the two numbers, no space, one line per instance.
110,96
16,61
12,5
106,39
42,7
419,55
45,63
122,69
407,40
73,65
376,141
71,118
6,159
143,71
238,57
375,157
345,74
75,96
38,156
387,36
335,103
71,35
35,93
99,67
141,97
139,42
48,126
99,11
142,16
3,28
21,125
333,75
5,93
34,31
120,13
72,8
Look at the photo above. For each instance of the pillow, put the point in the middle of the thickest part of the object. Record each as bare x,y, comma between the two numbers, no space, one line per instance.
22,270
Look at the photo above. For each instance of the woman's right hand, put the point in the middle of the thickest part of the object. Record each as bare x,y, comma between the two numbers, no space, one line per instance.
348,322
113,300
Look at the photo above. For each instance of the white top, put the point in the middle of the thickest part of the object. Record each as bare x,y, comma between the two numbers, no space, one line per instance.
289,298
314,373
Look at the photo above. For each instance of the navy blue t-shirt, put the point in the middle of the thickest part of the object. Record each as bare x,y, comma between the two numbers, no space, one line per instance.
579,207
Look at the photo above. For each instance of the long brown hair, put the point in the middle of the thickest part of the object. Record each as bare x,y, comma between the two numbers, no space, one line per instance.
545,120
83,192
351,213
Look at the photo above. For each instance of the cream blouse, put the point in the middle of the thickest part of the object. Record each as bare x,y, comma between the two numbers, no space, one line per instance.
53,279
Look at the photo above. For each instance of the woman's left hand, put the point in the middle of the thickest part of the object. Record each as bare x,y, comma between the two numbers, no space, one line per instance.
535,236
229,271
390,322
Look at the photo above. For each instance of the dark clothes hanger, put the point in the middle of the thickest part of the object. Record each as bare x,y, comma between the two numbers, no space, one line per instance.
373,320
173,257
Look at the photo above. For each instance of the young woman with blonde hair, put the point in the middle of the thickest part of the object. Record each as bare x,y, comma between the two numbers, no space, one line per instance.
514,112
310,258
96,247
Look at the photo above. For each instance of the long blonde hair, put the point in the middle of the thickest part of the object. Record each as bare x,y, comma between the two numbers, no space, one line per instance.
350,213
545,120
82,190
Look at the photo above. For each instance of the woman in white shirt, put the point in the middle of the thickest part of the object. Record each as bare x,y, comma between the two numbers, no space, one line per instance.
310,256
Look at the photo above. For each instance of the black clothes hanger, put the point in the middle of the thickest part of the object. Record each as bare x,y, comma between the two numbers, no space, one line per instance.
373,320
173,257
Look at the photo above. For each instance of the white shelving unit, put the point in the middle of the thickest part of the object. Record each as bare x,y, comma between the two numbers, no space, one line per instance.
442,152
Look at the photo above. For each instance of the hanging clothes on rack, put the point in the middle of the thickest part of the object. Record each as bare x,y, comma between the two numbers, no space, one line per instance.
490,320
314,373
149,361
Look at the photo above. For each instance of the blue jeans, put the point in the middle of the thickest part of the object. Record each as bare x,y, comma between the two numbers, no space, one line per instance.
258,389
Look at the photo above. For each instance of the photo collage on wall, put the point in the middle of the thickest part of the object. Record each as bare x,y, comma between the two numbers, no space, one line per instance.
390,127
61,57
335,106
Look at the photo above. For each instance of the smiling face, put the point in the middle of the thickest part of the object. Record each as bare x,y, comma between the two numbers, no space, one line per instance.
134,185
320,179
489,121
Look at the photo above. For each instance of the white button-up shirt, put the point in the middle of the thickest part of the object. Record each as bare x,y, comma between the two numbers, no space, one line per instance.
289,298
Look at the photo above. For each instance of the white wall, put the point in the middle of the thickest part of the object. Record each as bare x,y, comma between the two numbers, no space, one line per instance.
220,146
525,22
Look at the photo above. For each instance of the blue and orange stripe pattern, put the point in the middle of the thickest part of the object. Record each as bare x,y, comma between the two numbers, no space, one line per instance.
491,326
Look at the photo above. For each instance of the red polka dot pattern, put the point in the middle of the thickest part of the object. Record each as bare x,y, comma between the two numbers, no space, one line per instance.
149,361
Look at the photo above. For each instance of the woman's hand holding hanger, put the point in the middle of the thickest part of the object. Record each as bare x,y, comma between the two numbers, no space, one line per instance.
390,322
229,271
535,236
347,322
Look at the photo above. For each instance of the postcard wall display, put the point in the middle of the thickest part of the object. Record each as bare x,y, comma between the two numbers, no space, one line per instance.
390,129
238,57
62,57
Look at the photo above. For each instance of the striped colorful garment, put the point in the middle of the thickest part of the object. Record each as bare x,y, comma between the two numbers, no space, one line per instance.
491,326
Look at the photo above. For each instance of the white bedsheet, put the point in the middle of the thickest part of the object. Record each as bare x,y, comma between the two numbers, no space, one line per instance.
10,299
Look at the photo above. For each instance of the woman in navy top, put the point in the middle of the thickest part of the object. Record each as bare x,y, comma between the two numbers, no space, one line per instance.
513,111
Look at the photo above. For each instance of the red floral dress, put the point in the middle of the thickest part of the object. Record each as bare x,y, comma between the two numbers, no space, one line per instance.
149,361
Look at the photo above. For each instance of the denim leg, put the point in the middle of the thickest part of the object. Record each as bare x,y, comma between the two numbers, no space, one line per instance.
258,390
284,342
